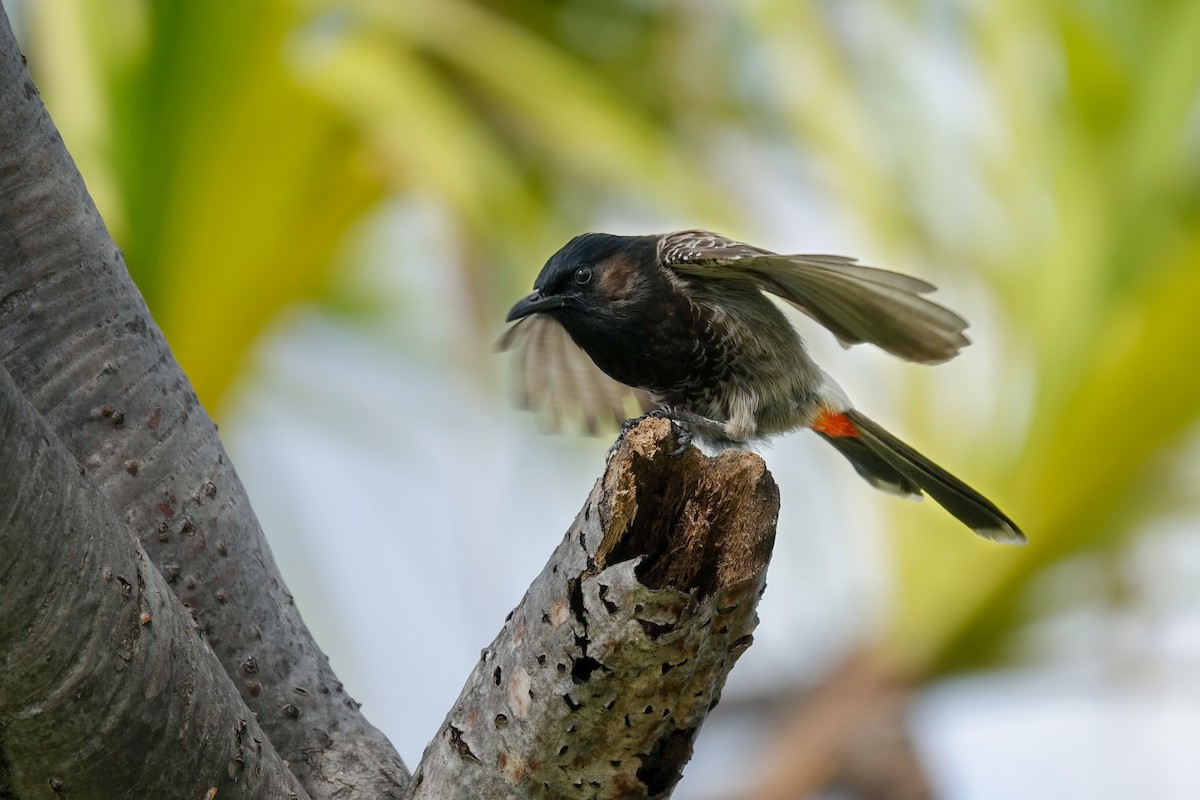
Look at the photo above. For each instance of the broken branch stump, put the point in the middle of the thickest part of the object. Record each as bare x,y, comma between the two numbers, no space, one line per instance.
602,675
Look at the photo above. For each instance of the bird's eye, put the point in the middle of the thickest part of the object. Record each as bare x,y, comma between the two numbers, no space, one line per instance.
583,275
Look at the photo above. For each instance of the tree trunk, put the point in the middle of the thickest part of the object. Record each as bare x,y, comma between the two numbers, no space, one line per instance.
107,688
76,337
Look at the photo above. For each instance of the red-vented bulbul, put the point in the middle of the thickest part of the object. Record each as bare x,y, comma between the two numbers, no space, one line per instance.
679,323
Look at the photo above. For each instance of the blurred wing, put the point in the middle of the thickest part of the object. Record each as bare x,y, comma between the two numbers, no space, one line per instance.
558,379
857,303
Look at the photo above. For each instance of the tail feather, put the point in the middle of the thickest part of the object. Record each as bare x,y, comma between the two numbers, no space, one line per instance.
872,467
890,464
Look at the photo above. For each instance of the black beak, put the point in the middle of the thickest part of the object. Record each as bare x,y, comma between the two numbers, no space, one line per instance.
532,304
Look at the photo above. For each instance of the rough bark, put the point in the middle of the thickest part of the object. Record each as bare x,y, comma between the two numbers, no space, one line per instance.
104,682
601,677
78,340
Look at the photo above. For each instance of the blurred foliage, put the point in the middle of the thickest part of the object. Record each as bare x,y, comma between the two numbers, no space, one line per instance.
1048,150
232,146
1101,105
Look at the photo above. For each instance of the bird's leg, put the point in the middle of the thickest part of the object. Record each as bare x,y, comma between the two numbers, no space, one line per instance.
682,415
683,435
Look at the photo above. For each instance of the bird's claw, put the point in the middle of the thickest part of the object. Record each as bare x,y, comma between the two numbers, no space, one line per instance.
684,438
626,427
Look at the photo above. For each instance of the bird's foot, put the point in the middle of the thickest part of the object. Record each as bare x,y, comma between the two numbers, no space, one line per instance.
682,435
626,427
633,422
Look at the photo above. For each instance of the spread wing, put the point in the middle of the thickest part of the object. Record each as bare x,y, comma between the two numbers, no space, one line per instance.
855,302
557,378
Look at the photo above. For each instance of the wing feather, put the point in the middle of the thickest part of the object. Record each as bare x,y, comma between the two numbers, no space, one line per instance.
856,303
559,380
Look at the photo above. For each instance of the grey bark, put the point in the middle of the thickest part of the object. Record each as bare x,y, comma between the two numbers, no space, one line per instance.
601,677
104,681
78,340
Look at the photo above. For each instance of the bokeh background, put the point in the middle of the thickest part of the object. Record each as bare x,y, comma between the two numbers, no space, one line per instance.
330,204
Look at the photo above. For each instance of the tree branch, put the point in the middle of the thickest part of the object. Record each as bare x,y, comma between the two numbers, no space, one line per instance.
601,677
78,340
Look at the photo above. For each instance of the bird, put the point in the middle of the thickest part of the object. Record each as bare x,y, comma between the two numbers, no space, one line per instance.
679,325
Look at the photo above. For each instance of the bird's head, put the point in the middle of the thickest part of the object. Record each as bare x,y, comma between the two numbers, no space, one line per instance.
594,276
